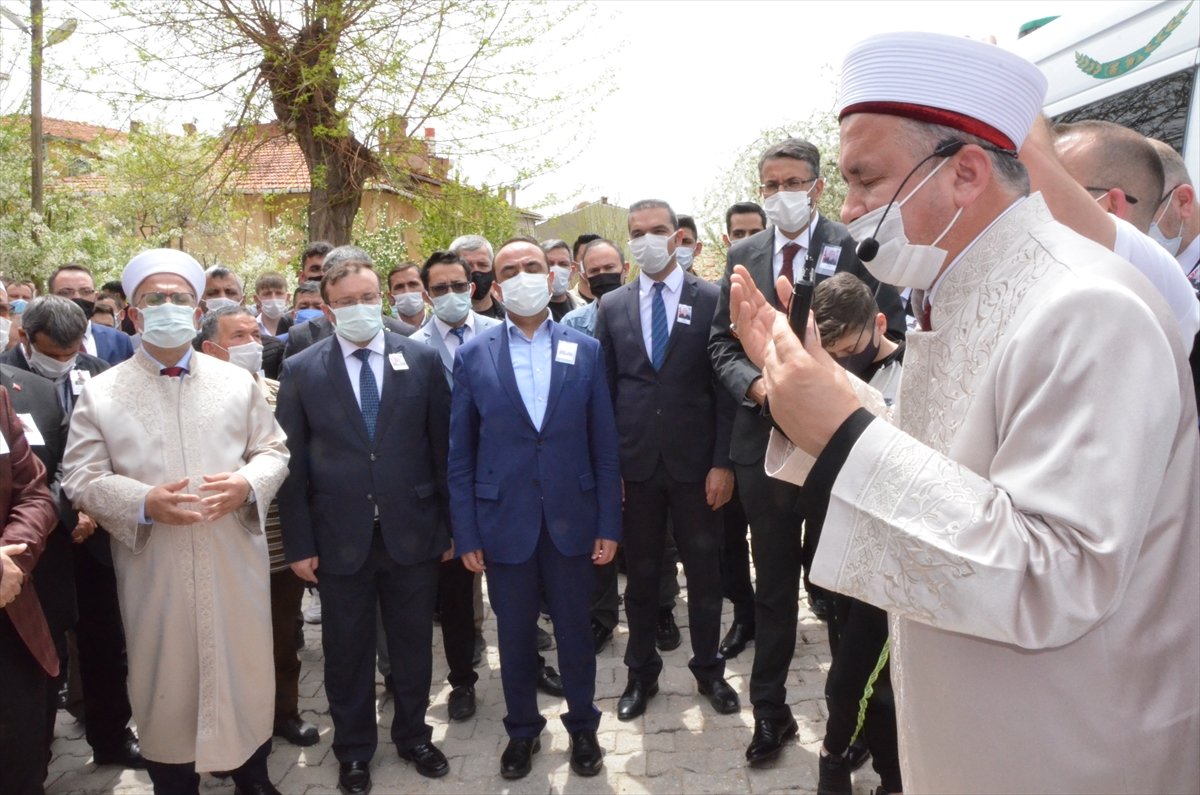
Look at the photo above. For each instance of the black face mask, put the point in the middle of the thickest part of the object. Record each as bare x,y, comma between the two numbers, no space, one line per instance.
87,306
603,283
858,363
483,281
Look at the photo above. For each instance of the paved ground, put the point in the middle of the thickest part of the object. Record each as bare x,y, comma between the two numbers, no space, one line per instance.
679,745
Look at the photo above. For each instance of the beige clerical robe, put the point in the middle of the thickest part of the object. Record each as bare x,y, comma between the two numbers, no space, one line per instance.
196,599
1032,525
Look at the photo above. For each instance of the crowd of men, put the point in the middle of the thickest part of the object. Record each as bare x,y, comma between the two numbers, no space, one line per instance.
180,460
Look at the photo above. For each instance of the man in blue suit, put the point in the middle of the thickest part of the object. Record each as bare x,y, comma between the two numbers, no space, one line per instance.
74,282
535,494
364,512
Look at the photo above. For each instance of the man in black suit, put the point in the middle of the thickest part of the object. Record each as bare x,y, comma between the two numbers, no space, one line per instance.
303,335
674,421
75,283
48,356
791,184
364,512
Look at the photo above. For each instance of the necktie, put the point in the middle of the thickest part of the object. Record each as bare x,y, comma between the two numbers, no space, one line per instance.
459,332
658,327
789,255
368,392
173,372
65,394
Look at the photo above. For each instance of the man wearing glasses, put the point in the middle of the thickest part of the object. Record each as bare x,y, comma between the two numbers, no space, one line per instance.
791,185
364,511
178,456
75,282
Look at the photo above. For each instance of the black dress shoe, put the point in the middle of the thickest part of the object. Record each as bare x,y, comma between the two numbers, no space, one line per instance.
633,701
586,757
517,759
666,634
256,788
721,695
549,682
545,641
769,737
298,731
461,703
820,608
354,778
601,635
127,754
427,759
735,640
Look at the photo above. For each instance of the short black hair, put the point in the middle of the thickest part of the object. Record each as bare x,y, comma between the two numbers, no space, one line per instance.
793,149
403,266
72,266
654,204
744,208
113,287
443,258
310,286
688,223
315,248
581,241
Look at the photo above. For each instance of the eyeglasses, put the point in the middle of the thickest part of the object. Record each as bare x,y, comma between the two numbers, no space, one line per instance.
158,299
70,292
1128,197
771,188
438,290
365,298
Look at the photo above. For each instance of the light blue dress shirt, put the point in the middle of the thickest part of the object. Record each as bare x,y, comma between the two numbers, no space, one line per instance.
582,318
531,359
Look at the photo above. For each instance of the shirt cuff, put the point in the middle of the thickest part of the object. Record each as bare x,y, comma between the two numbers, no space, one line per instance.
142,517
829,463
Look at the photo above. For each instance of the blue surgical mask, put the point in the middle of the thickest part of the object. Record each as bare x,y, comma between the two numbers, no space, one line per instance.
305,315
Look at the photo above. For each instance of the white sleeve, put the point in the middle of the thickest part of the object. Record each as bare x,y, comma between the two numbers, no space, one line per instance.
1163,271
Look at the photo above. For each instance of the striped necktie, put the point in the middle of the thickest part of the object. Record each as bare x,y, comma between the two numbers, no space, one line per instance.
658,327
368,392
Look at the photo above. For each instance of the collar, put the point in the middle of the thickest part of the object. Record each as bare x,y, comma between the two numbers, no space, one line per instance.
87,332
671,284
516,333
348,348
183,360
802,239
932,294
443,328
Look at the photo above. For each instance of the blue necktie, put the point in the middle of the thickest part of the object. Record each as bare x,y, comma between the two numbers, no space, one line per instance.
459,332
658,327
368,392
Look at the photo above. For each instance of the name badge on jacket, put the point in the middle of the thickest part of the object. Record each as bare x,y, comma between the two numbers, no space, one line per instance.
78,379
397,361
830,255
32,434
684,314
566,352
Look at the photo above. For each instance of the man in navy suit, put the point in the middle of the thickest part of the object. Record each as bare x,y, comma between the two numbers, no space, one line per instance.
675,419
536,495
74,282
364,512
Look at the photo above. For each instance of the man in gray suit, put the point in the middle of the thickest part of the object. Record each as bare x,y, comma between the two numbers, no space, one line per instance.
791,185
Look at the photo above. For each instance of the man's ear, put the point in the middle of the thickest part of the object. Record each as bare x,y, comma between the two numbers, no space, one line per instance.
208,347
972,173
329,314
725,239
699,248
1185,199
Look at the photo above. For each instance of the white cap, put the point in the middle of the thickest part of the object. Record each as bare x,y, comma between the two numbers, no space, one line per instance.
162,260
969,85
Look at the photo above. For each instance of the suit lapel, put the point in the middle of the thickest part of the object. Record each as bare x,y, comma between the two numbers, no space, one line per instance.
439,345
502,361
391,381
633,309
558,370
339,377
687,297
762,266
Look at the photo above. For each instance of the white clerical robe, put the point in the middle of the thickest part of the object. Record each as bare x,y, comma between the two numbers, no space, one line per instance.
195,599
1031,523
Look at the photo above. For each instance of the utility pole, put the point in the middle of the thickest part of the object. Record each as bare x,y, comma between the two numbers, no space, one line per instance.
35,103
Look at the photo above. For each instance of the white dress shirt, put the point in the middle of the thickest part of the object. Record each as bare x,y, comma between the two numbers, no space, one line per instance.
451,340
782,240
672,288
354,364
89,340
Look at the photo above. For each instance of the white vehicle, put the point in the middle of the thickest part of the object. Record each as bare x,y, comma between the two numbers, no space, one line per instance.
1136,66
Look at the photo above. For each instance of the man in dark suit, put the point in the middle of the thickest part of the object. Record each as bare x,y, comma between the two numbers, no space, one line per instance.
302,335
674,421
791,184
364,512
80,587
75,283
536,496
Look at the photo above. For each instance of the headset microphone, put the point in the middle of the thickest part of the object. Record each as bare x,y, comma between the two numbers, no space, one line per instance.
869,247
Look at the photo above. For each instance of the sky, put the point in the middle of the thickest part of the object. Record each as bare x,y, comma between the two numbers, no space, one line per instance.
693,83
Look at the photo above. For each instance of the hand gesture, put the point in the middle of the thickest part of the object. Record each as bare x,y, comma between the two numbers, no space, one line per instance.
227,491
165,504
12,577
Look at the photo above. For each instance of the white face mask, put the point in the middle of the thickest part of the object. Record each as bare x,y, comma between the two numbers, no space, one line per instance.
650,253
1171,244
409,304
168,326
358,323
562,280
274,308
247,356
525,294
213,304
48,366
899,262
452,308
790,210
684,255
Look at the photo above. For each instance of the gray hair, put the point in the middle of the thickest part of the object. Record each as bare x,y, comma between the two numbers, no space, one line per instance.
471,243
347,254
793,149
58,318
553,243
654,204
926,137
211,325
221,272
306,288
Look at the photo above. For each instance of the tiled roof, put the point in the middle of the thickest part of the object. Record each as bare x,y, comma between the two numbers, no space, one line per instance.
271,162
77,130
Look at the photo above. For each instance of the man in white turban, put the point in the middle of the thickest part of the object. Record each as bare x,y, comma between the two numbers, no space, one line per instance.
1031,519
178,455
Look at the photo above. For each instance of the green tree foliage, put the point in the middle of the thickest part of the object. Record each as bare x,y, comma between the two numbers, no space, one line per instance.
459,209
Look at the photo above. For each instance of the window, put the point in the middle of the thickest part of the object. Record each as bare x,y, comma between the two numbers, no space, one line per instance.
1158,109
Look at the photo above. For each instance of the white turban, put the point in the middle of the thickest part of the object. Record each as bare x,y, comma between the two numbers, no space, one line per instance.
969,85
162,260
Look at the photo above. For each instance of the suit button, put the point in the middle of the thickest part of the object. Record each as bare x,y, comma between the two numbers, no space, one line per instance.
658,412
372,456
371,497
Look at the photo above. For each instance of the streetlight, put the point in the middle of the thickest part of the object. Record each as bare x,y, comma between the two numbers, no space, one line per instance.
34,30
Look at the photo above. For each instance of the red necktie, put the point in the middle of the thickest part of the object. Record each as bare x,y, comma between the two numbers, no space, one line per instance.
789,255
926,320
173,372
